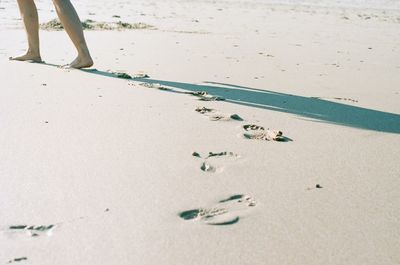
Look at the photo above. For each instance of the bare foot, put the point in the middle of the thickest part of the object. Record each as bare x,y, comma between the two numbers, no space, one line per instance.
31,57
80,62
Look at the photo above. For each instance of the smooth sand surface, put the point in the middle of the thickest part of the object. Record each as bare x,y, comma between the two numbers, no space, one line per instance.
109,162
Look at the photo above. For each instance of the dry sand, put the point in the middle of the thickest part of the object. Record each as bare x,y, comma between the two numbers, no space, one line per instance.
96,169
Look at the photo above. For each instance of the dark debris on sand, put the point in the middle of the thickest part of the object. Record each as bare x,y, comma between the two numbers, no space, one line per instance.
196,154
17,259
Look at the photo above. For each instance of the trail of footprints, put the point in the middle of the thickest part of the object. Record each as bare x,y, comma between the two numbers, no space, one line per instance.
227,211
230,210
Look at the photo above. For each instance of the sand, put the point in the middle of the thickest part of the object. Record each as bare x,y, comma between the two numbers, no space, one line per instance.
98,169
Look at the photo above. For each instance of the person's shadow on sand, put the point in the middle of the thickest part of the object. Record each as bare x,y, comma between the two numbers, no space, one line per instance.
312,108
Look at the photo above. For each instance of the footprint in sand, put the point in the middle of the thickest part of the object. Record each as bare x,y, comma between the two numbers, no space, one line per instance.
225,212
260,133
214,116
33,231
212,162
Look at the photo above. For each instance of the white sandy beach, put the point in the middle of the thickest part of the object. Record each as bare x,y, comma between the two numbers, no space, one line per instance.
105,165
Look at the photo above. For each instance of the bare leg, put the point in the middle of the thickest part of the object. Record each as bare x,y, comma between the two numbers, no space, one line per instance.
70,21
30,17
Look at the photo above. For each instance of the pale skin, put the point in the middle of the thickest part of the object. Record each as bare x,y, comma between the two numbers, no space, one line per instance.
71,23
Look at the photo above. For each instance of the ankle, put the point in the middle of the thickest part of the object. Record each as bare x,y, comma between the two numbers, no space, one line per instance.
33,52
83,52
